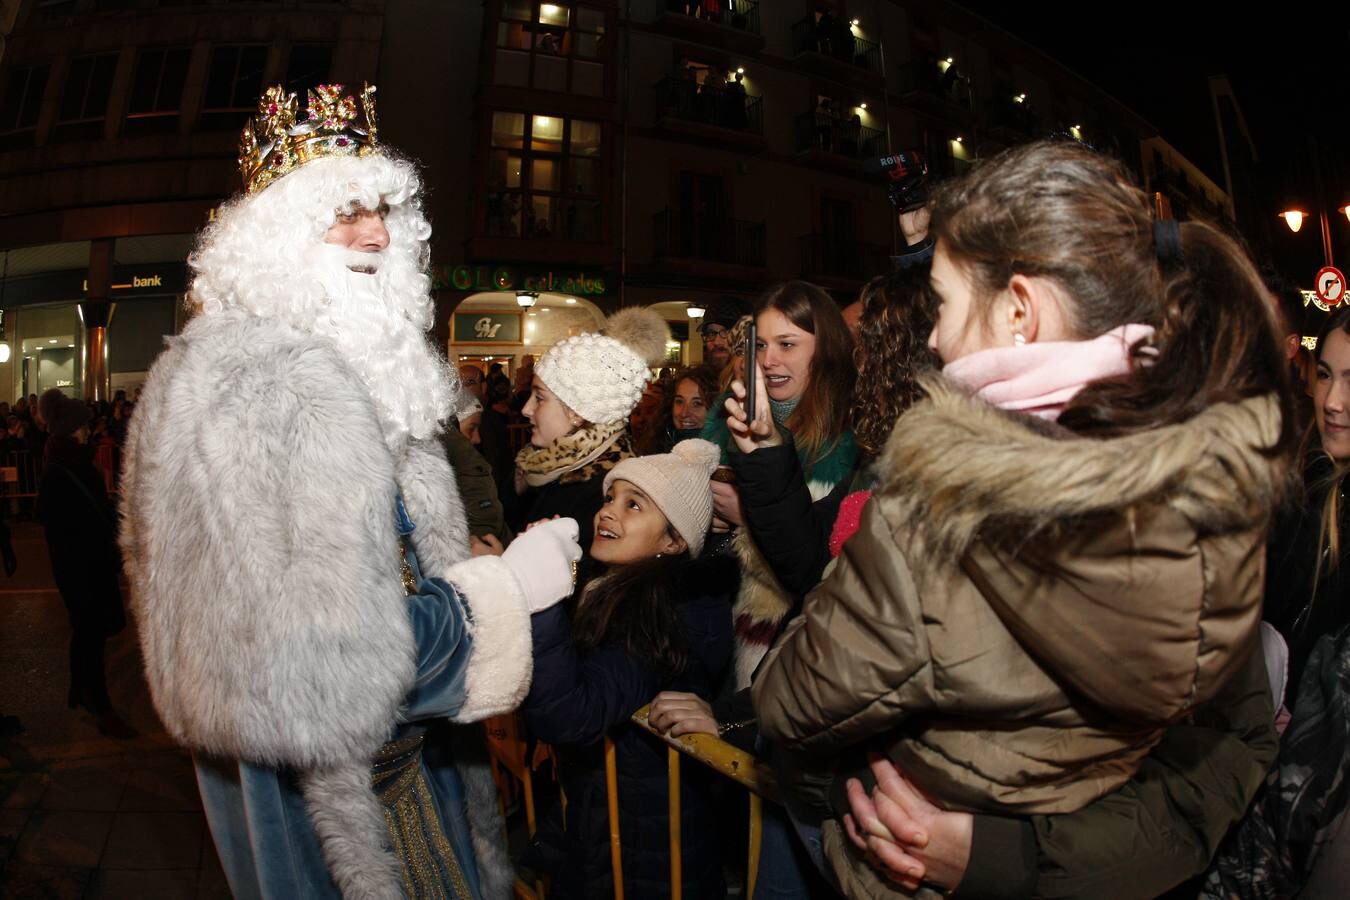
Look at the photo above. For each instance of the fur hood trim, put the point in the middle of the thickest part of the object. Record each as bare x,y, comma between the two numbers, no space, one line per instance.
966,470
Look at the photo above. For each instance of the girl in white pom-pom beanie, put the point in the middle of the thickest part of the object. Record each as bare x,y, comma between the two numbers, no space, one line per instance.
583,390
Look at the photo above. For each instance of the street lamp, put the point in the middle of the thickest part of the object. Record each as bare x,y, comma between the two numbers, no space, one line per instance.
526,299
1295,213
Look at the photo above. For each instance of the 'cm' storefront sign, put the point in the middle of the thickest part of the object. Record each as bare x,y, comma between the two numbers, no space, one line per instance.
504,278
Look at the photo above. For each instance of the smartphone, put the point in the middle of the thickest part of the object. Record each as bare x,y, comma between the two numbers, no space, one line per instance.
751,357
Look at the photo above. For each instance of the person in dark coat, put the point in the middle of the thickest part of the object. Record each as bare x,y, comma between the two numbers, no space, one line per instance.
657,618
1308,556
81,530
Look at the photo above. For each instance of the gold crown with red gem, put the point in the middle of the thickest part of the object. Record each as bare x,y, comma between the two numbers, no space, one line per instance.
277,141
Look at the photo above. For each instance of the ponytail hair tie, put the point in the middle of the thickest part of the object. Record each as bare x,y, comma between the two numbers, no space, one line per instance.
1167,241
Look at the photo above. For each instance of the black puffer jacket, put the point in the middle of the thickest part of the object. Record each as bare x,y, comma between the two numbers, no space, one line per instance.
576,701
1300,602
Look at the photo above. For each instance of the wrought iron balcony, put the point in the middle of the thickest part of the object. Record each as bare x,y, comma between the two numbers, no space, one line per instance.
677,234
836,256
721,107
742,15
837,42
826,133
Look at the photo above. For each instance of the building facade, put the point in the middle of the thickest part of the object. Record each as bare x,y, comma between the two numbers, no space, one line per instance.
594,153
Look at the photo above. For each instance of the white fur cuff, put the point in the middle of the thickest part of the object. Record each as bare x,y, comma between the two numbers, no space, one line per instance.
502,657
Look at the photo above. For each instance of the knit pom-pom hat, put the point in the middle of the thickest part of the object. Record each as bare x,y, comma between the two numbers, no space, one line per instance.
679,483
601,376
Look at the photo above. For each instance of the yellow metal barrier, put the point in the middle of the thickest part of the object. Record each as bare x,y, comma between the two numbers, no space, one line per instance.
745,769
508,753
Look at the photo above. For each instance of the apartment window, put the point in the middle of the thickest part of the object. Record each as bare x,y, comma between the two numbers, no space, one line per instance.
545,177
157,91
553,46
233,86
22,103
84,102
308,66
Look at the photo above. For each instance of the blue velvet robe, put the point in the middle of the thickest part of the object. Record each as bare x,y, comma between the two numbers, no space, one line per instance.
257,815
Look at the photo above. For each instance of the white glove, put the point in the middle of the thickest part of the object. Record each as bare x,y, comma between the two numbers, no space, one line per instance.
544,561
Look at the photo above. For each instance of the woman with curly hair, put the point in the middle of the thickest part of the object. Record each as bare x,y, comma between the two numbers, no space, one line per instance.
891,353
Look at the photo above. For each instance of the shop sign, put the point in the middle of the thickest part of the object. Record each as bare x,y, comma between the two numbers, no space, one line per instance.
486,328
507,278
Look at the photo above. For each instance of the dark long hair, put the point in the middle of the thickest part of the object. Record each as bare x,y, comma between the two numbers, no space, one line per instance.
635,607
822,414
1058,210
891,353
1329,533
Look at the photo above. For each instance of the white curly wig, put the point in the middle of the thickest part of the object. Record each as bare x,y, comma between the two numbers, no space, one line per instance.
259,257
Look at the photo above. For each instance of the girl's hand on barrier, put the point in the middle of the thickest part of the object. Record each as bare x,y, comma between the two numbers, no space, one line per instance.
677,713
906,836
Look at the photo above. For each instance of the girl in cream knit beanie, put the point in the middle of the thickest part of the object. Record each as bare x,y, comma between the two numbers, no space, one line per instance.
678,483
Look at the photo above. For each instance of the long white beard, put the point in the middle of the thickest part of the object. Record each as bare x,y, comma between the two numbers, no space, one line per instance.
408,380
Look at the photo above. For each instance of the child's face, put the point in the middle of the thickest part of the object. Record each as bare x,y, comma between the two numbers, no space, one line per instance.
629,527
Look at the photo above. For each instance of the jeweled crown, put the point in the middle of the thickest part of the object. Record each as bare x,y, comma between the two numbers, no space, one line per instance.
276,142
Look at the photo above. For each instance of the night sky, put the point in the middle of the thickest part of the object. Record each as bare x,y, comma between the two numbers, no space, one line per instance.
1289,66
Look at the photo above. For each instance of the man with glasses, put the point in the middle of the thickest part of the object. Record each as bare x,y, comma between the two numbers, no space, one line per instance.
722,313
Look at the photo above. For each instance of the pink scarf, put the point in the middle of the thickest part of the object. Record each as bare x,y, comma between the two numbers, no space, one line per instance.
1040,378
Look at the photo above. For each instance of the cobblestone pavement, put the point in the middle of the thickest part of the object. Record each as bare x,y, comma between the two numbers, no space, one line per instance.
83,815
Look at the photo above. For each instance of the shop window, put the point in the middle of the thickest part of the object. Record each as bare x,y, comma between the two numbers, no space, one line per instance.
24,87
156,91
233,86
544,177
551,46
308,66
84,103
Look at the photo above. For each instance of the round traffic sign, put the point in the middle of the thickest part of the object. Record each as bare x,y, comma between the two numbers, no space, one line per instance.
1330,285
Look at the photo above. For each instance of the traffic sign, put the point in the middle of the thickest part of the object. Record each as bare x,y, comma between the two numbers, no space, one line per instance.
1330,285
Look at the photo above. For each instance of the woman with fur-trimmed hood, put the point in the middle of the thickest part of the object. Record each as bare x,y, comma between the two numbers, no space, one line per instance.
1064,553
312,627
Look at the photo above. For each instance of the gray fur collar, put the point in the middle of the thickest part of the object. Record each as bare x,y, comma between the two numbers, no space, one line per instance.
961,469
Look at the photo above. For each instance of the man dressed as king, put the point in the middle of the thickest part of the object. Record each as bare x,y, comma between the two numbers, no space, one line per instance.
313,626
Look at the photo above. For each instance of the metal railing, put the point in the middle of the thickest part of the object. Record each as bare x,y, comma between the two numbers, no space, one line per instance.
723,107
507,757
680,235
742,15
926,76
828,133
838,43
840,257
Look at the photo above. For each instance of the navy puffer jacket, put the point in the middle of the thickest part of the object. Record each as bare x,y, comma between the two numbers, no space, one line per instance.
576,701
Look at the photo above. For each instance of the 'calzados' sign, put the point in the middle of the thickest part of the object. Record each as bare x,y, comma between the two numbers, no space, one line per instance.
504,278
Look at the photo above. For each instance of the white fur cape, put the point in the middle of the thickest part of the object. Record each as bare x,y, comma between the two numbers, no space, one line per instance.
263,556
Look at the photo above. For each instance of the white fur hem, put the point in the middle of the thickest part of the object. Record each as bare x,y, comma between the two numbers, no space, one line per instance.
502,658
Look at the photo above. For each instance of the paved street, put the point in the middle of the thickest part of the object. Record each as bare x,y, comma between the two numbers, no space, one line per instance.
82,815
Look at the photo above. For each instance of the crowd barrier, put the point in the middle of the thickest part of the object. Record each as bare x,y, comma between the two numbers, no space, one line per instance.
513,771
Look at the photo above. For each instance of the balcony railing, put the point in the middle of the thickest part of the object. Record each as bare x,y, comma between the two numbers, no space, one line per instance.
723,107
927,77
837,256
680,235
836,41
827,133
742,15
